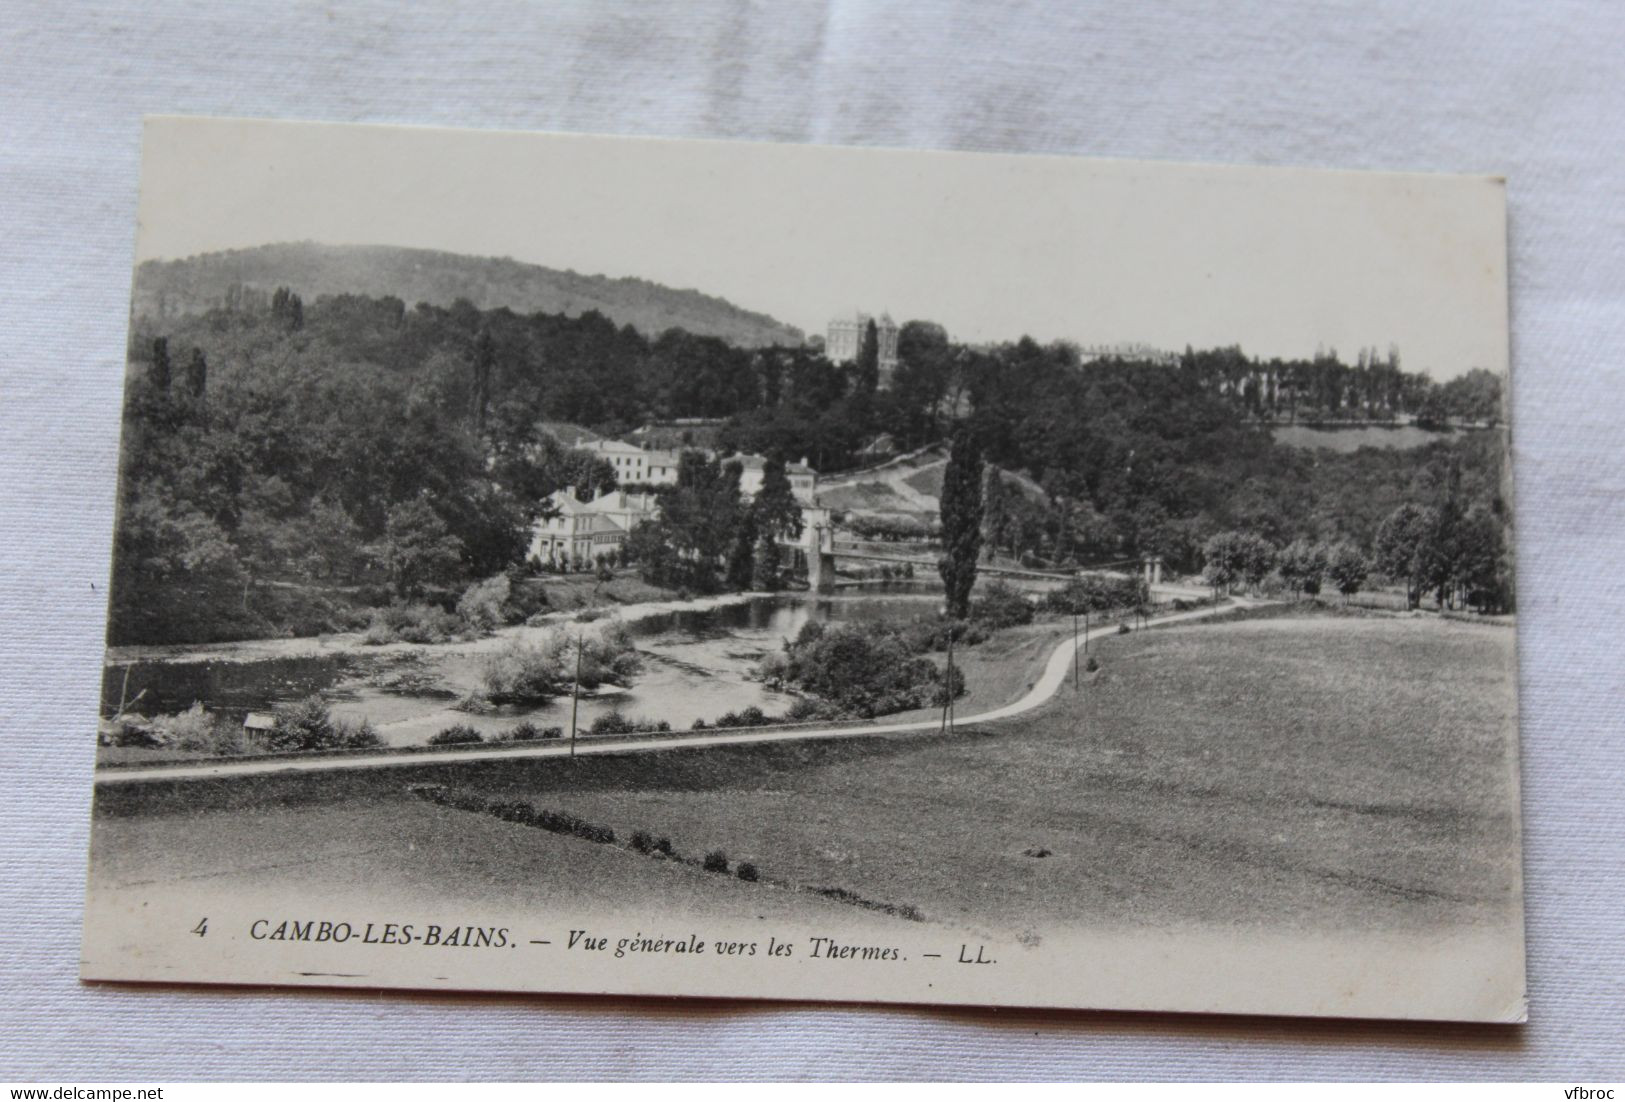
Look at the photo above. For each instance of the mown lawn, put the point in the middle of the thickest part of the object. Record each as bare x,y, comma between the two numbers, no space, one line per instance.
1301,770
1284,773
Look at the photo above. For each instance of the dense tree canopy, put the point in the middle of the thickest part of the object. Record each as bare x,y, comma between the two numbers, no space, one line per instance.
280,452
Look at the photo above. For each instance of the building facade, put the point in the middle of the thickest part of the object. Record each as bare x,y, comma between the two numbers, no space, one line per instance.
803,479
845,339
582,533
634,465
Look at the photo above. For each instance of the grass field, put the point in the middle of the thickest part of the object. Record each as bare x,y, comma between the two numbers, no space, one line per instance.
1287,772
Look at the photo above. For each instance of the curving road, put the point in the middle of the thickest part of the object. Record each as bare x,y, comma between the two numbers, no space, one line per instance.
1056,671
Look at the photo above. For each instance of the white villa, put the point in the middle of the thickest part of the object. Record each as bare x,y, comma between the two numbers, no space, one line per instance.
635,465
582,532
803,479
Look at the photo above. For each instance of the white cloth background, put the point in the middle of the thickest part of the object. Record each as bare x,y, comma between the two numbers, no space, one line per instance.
1535,91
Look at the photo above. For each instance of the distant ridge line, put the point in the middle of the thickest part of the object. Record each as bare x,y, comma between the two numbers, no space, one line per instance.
171,288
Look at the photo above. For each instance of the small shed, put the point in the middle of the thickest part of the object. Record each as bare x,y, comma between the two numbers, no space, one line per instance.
257,727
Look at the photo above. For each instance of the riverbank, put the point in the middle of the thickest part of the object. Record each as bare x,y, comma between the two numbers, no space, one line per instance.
699,658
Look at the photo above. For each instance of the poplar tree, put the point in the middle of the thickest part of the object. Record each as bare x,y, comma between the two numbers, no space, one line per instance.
867,370
961,521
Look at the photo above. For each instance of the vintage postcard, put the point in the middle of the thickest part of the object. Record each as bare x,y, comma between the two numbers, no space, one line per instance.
576,564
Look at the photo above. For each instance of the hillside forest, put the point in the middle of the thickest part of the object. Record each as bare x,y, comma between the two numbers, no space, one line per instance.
288,463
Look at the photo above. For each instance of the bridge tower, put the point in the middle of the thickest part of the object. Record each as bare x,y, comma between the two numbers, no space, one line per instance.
821,559
1153,569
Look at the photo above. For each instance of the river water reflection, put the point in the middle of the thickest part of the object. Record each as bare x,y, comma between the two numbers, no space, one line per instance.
697,665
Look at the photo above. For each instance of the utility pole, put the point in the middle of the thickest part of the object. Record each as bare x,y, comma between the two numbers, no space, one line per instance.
1077,678
575,696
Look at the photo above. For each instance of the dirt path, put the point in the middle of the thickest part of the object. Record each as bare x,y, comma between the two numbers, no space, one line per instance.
1056,671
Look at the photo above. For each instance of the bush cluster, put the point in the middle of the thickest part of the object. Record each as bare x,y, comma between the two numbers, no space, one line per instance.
1002,606
527,673
864,669
526,731
455,735
308,725
413,623
893,528
559,822
614,723
1097,593
646,843
745,717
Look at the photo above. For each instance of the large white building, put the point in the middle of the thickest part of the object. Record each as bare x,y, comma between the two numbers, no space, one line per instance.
634,465
803,479
583,532
845,339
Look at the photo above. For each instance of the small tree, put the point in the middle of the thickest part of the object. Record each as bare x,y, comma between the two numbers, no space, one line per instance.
417,550
197,375
1223,560
1347,568
778,513
1402,549
1302,565
769,575
158,371
742,555
1257,558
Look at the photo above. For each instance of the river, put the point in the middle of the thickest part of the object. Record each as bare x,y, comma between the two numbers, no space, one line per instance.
696,665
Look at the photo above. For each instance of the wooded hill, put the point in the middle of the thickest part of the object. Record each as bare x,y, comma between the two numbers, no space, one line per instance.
242,278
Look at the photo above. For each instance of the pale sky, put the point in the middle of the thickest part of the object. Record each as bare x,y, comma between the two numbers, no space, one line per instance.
993,247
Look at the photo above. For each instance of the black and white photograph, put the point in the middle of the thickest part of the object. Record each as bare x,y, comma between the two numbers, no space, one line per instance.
554,563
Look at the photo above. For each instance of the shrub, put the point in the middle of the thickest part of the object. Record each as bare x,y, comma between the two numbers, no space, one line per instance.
357,736
456,734
524,731
806,708
1001,606
745,717
483,604
193,729
699,725
747,871
306,725
715,861
517,812
123,732
1122,629
867,670
1097,593
643,841
523,673
416,623
562,822
614,723
553,732
663,847
1092,664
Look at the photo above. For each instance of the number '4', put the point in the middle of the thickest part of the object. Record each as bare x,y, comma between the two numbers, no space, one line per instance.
201,928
